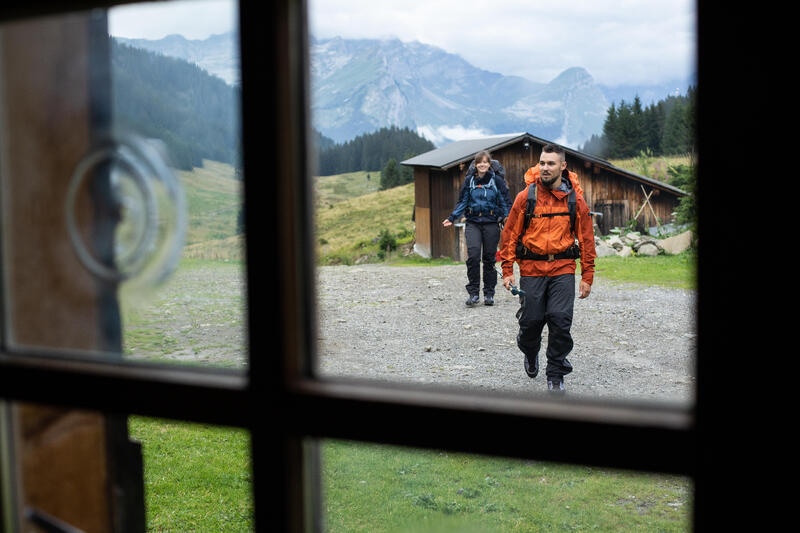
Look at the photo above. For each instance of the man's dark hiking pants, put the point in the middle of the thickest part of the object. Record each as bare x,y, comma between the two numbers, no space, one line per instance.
548,300
481,246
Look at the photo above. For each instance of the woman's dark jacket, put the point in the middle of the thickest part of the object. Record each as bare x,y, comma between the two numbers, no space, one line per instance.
481,203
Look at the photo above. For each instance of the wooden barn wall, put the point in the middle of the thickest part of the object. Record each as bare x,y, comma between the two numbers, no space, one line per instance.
422,188
422,211
516,159
422,223
444,195
620,198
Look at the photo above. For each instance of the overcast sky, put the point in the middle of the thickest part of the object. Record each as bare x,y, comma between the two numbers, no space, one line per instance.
195,19
619,42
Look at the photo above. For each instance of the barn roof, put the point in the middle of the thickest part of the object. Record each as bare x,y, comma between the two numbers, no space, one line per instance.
458,152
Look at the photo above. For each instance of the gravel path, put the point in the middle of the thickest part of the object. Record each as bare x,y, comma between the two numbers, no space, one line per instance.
410,324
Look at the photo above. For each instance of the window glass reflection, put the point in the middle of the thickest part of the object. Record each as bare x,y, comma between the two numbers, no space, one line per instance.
122,184
178,81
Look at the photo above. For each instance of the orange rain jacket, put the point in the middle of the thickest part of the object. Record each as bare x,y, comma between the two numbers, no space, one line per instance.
548,235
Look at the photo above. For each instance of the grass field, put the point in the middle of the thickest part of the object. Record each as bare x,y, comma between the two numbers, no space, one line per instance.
379,488
197,477
349,230
676,271
330,190
653,167
213,198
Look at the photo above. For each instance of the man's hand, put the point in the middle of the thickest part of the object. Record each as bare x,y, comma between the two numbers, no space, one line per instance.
446,223
508,281
584,289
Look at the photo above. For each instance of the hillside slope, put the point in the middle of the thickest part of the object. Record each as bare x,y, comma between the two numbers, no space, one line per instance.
349,230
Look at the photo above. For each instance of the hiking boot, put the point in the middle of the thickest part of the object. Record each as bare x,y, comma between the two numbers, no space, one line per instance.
473,300
556,386
531,369
488,299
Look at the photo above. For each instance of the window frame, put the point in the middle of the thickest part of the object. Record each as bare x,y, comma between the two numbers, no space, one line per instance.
278,399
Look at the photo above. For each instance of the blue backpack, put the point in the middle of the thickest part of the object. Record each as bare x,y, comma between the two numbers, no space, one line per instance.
484,199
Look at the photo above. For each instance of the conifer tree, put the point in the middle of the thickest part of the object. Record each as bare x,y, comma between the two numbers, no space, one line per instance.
676,135
390,176
651,129
663,128
638,139
691,122
610,131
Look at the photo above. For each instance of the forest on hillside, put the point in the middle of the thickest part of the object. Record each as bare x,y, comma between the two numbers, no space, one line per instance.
663,128
372,151
194,113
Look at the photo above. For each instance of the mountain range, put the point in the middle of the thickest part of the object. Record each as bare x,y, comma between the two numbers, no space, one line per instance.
361,85
218,54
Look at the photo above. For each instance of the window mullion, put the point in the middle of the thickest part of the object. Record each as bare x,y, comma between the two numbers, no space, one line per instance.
197,395
641,437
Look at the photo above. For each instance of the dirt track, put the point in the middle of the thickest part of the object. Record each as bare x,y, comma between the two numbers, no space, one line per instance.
410,324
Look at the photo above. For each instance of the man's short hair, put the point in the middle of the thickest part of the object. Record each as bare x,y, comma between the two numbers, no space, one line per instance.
555,149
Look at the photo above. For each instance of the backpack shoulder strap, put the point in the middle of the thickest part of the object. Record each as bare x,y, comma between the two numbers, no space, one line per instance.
571,207
530,205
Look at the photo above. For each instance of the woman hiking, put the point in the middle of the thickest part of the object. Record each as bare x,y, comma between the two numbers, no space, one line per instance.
482,200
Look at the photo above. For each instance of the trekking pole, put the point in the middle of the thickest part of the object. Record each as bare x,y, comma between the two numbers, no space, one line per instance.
514,290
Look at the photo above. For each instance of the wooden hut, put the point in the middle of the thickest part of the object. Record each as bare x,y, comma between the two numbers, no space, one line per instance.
616,193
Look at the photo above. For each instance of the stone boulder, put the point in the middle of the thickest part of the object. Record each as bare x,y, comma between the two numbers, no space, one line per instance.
625,244
615,242
603,249
677,244
648,248
642,241
631,238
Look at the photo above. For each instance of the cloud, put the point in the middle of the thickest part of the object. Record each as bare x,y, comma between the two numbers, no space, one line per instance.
620,42
154,20
440,135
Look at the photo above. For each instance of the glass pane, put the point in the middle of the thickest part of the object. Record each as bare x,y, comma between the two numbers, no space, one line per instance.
122,184
398,122
385,488
196,477
91,471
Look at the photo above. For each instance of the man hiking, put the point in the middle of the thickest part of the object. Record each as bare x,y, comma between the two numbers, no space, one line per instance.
546,219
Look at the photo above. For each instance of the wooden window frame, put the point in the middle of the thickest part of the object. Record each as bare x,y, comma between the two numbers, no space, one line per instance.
282,403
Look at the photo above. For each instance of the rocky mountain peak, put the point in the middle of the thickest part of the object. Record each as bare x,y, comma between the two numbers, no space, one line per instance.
362,85
573,76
